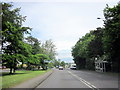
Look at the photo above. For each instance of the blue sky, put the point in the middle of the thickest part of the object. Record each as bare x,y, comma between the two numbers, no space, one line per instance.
64,21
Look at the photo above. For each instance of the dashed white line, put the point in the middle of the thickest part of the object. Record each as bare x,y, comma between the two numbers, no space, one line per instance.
84,81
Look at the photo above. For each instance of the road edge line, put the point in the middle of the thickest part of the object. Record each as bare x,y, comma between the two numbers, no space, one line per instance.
84,81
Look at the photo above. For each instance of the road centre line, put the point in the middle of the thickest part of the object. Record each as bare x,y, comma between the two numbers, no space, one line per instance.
84,81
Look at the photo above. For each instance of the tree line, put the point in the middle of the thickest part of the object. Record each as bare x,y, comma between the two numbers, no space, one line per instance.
100,44
16,48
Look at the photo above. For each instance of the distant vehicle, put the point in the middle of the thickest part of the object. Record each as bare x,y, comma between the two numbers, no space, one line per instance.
73,66
60,68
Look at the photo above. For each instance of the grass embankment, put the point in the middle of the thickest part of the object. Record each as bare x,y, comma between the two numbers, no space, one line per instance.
19,77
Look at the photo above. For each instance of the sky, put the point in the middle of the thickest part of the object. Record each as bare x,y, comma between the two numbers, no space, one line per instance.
63,21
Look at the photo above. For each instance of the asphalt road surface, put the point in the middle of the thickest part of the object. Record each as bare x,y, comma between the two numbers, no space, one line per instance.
80,79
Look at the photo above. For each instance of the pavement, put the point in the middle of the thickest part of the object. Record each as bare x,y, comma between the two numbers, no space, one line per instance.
34,82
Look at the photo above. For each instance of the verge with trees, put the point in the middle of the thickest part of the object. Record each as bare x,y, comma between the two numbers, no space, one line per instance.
16,48
101,44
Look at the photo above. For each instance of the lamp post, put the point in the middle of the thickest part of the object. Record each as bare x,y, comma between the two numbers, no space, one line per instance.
100,18
103,19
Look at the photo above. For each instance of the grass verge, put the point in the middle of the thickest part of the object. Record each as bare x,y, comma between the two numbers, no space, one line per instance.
19,77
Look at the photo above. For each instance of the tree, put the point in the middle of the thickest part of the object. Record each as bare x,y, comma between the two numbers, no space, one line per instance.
50,65
26,51
12,34
49,49
35,43
62,64
95,48
56,63
46,51
43,59
80,51
111,35
102,43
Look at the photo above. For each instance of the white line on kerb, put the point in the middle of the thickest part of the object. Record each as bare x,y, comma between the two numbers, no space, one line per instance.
84,81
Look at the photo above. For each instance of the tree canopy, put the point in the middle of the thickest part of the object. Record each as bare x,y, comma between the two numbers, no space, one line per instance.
12,34
111,35
102,43
16,48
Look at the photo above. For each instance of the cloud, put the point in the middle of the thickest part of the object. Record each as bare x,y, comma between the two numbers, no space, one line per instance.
67,60
65,55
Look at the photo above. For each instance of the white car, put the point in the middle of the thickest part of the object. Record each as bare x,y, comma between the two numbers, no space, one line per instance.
60,68
73,66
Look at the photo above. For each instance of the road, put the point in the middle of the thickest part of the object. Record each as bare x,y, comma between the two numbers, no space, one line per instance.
79,79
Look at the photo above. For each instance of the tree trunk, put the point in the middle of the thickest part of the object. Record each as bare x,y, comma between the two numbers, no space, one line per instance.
14,67
38,67
42,67
14,70
28,66
22,65
10,70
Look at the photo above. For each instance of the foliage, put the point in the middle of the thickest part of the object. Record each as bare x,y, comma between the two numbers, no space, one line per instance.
80,51
50,65
95,46
43,60
111,34
12,34
49,49
35,43
102,43
58,63
16,48
62,64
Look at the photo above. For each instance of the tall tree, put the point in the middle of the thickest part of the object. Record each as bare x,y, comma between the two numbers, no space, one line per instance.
111,38
12,33
95,48
80,51
49,49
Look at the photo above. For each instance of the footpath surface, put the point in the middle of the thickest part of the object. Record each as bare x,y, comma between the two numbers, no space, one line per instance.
34,82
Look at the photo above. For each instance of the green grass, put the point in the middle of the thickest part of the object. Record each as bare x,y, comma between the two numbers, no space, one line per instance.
0,83
20,76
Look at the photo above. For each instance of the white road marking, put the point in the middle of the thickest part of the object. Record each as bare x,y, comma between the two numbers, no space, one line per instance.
84,81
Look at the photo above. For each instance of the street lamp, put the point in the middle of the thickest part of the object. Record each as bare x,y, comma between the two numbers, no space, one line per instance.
98,18
101,18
